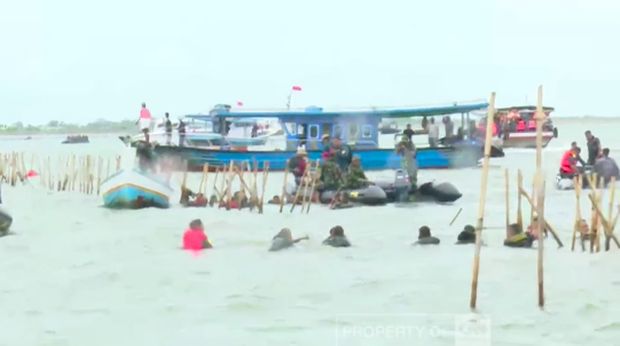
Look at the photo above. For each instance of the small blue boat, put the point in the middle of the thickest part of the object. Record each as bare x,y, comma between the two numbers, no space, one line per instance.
133,189
359,129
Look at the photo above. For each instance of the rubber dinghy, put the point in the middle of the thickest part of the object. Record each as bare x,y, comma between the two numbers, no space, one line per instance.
134,189
400,189
5,222
370,195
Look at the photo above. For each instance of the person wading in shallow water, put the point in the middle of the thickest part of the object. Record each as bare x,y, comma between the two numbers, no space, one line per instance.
516,238
337,238
284,239
425,237
195,237
406,150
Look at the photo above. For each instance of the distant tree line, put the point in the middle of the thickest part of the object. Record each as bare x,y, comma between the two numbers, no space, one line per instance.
59,127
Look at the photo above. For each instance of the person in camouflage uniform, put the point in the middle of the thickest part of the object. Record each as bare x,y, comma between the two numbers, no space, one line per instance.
331,176
355,179
406,149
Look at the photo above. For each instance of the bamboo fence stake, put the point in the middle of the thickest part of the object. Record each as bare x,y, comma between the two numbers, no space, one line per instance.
519,201
481,206
507,197
283,195
456,216
540,195
314,179
265,176
577,226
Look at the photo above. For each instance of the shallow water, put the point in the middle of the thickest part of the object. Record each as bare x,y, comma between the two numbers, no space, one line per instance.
74,273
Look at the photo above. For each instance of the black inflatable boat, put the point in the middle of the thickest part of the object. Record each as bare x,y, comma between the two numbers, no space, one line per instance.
371,195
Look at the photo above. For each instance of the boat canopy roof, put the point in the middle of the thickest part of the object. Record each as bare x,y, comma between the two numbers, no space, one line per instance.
373,112
524,108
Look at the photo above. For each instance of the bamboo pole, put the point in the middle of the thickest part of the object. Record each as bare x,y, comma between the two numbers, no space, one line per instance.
549,227
507,197
481,205
315,177
299,188
519,201
265,176
229,188
540,189
456,216
612,195
202,177
577,227
606,224
283,195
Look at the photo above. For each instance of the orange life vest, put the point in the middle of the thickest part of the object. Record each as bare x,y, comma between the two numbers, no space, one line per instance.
521,125
566,165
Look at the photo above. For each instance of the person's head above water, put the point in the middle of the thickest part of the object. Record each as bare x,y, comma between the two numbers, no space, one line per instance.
285,233
336,231
468,235
196,225
424,232
514,229
469,229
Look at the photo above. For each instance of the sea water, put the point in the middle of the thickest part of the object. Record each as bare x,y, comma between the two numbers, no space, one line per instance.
75,273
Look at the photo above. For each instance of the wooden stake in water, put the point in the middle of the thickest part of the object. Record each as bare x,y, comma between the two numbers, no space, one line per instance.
313,186
456,216
541,229
265,176
577,226
519,201
481,206
507,197
283,195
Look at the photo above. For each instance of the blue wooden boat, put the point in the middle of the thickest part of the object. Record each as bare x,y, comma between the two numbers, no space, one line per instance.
133,189
359,129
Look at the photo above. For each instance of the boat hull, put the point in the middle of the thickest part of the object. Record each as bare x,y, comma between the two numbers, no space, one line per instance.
135,190
526,140
466,155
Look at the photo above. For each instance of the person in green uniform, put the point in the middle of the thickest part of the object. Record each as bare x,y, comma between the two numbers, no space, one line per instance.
331,176
355,178
337,238
515,237
425,237
406,149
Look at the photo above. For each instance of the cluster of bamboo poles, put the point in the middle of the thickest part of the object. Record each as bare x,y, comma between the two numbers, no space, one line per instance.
223,195
537,201
599,222
305,191
64,173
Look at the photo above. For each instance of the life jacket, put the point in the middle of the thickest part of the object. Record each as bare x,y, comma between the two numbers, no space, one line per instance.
531,124
521,126
194,239
566,165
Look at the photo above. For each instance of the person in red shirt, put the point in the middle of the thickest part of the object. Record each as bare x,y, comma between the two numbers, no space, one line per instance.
568,165
195,237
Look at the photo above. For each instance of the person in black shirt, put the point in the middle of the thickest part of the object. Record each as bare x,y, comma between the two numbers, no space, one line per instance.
594,148
408,132
181,133
168,126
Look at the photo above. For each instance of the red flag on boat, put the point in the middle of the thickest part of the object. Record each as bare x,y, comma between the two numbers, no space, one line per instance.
239,104
31,174
296,88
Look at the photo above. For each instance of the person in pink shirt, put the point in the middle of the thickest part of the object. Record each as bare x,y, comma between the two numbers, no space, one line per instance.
145,121
195,237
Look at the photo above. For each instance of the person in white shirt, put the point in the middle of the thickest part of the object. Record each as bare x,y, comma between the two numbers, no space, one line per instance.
433,133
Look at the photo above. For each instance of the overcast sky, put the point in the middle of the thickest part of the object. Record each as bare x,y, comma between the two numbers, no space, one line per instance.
82,60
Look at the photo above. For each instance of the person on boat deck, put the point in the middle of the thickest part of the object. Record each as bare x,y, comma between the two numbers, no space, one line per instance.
325,143
355,178
408,132
181,130
284,239
594,147
433,133
145,121
516,238
168,125
195,237
254,132
425,237
606,167
330,177
297,165
579,159
337,238
344,154
449,126
424,123
568,165
406,150
467,235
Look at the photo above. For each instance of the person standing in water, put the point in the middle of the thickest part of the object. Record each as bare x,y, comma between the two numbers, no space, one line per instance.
144,121
181,130
467,235
195,237
425,237
284,239
433,134
406,149
168,125
606,167
594,148
337,238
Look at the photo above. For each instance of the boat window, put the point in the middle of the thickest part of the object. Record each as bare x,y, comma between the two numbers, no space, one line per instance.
291,128
366,131
314,131
353,131
326,129
337,131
